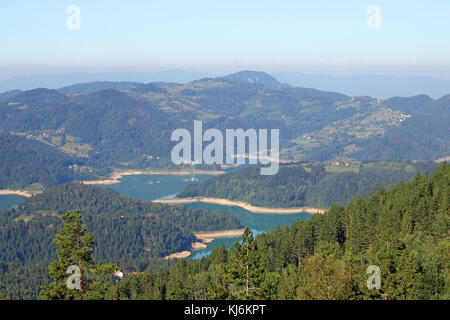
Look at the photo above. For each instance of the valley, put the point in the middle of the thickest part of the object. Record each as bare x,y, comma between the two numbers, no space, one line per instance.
231,156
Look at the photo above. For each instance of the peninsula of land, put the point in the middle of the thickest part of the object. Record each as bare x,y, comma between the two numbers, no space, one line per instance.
246,206
115,176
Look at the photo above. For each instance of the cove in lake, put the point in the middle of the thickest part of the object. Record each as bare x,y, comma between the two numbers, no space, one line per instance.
153,187
258,223
10,200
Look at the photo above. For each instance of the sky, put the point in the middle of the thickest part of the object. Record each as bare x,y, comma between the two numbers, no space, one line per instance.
322,36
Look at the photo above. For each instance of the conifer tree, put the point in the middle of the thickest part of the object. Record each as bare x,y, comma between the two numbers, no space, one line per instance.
74,265
246,268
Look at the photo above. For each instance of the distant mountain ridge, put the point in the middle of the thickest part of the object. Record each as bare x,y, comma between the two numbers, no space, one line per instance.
8,94
55,81
132,233
376,86
373,85
254,77
91,87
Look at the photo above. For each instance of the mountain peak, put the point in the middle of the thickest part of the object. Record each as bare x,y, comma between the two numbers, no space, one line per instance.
9,94
39,97
256,77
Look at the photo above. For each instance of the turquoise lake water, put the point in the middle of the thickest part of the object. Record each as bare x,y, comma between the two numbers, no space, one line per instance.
152,187
258,223
9,200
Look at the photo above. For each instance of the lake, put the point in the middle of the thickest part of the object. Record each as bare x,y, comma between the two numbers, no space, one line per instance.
258,223
153,187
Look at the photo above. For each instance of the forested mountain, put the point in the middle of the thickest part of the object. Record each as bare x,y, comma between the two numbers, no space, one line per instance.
403,232
307,184
54,81
126,127
374,85
107,126
8,94
314,124
24,161
254,77
91,87
132,233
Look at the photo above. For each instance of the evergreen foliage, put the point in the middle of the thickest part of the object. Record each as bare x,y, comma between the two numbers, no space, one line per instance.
75,248
405,232
131,233
24,162
297,185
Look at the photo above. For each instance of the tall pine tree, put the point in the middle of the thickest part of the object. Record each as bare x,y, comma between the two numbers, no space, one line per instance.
246,269
74,272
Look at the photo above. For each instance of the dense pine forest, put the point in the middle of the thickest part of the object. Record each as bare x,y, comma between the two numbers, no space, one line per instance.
50,138
307,184
405,232
225,159
132,233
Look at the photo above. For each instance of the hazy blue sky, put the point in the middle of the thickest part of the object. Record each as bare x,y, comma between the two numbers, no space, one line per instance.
325,36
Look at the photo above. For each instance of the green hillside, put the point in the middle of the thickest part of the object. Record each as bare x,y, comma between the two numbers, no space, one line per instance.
124,128
307,184
129,232
314,124
404,232
25,161
107,127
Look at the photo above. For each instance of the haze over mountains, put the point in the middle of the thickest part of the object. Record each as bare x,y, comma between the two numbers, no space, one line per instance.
373,85
55,81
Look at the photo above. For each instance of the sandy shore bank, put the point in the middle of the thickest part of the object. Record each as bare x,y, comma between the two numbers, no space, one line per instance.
178,255
246,206
24,193
119,174
203,239
207,237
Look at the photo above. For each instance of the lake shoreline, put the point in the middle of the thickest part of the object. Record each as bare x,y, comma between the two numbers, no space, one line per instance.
115,176
203,238
243,205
